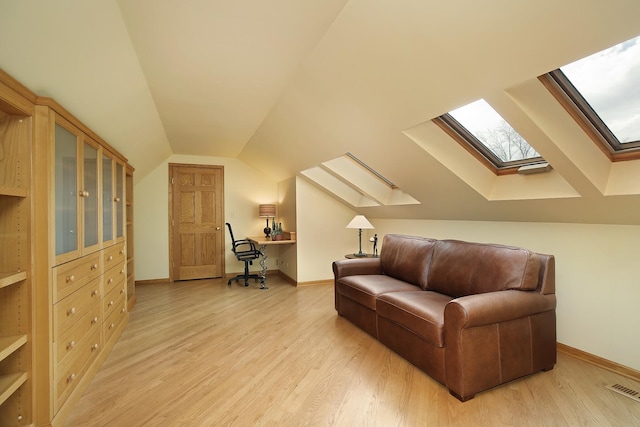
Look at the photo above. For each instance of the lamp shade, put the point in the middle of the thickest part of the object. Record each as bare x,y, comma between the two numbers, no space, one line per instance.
359,221
267,211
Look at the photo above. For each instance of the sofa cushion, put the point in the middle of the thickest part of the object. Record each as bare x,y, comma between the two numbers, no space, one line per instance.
464,268
365,288
407,258
421,312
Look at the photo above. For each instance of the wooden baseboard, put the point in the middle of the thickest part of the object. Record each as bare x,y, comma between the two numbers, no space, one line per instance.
153,281
600,362
230,275
131,302
316,283
287,279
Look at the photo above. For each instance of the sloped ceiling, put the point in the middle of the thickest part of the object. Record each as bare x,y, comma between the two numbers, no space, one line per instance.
285,85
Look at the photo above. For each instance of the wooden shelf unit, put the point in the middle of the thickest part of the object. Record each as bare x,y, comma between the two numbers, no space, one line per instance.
16,284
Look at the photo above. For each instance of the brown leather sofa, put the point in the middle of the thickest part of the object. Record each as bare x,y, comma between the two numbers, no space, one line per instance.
470,315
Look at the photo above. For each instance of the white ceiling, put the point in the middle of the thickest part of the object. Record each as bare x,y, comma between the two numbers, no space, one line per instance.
285,85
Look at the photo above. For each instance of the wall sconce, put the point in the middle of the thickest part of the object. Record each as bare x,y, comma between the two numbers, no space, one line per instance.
360,222
267,211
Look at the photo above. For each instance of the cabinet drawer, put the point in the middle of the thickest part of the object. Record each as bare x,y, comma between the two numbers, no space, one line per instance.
111,299
68,342
71,309
114,255
114,319
113,277
71,276
68,373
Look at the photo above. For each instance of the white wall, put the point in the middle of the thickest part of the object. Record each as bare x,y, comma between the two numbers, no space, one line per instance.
244,189
322,236
288,254
597,275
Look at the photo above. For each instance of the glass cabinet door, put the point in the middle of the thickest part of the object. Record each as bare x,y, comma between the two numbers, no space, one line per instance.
90,194
66,188
107,198
119,200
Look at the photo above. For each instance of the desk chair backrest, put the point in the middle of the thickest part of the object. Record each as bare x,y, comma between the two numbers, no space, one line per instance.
244,249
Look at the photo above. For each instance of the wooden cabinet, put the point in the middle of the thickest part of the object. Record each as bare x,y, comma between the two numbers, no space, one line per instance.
76,214
16,275
81,192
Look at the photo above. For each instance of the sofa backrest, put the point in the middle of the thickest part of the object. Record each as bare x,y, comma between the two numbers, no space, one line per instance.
464,268
407,258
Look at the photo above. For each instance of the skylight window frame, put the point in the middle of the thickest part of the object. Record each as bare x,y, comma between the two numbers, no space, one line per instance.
559,85
481,152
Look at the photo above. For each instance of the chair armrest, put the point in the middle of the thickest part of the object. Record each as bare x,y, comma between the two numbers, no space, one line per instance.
244,246
495,307
357,266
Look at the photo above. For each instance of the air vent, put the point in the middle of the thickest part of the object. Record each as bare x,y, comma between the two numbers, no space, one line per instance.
625,391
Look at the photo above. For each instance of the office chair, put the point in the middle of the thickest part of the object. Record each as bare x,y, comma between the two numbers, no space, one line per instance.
246,252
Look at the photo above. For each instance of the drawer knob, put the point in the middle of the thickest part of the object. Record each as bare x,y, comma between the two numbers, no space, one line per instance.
110,304
71,278
110,281
112,325
71,378
121,252
110,258
122,271
121,291
94,267
94,347
122,310
71,345
117,199
94,320
71,311
94,293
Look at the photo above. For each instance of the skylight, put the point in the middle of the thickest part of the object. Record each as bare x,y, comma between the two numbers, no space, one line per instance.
352,180
479,126
610,82
602,93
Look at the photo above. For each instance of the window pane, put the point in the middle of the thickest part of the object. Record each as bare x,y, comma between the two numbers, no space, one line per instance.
493,131
610,82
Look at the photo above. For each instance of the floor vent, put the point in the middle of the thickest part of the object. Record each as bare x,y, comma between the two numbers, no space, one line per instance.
625,391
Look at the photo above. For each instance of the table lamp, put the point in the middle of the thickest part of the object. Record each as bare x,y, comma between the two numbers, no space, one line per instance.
267,211
360,222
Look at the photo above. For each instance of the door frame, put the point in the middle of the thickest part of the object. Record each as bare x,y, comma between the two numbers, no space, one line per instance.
169,224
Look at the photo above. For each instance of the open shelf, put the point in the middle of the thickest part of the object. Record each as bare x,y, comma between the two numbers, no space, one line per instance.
7,279
10,344
6,190
9,383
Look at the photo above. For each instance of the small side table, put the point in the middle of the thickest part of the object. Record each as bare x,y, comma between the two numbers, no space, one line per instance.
354,256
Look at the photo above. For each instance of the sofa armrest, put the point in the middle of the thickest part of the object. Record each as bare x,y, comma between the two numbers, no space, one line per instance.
357,266
495,307
494,337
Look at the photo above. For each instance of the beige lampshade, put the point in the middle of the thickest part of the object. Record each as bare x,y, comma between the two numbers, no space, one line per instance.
267,211
359,221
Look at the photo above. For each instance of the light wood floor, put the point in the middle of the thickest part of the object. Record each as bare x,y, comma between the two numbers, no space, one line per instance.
200,353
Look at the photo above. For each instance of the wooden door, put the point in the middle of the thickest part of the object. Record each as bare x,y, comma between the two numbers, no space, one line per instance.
196,222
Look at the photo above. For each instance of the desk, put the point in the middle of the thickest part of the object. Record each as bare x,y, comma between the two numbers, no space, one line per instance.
263,242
